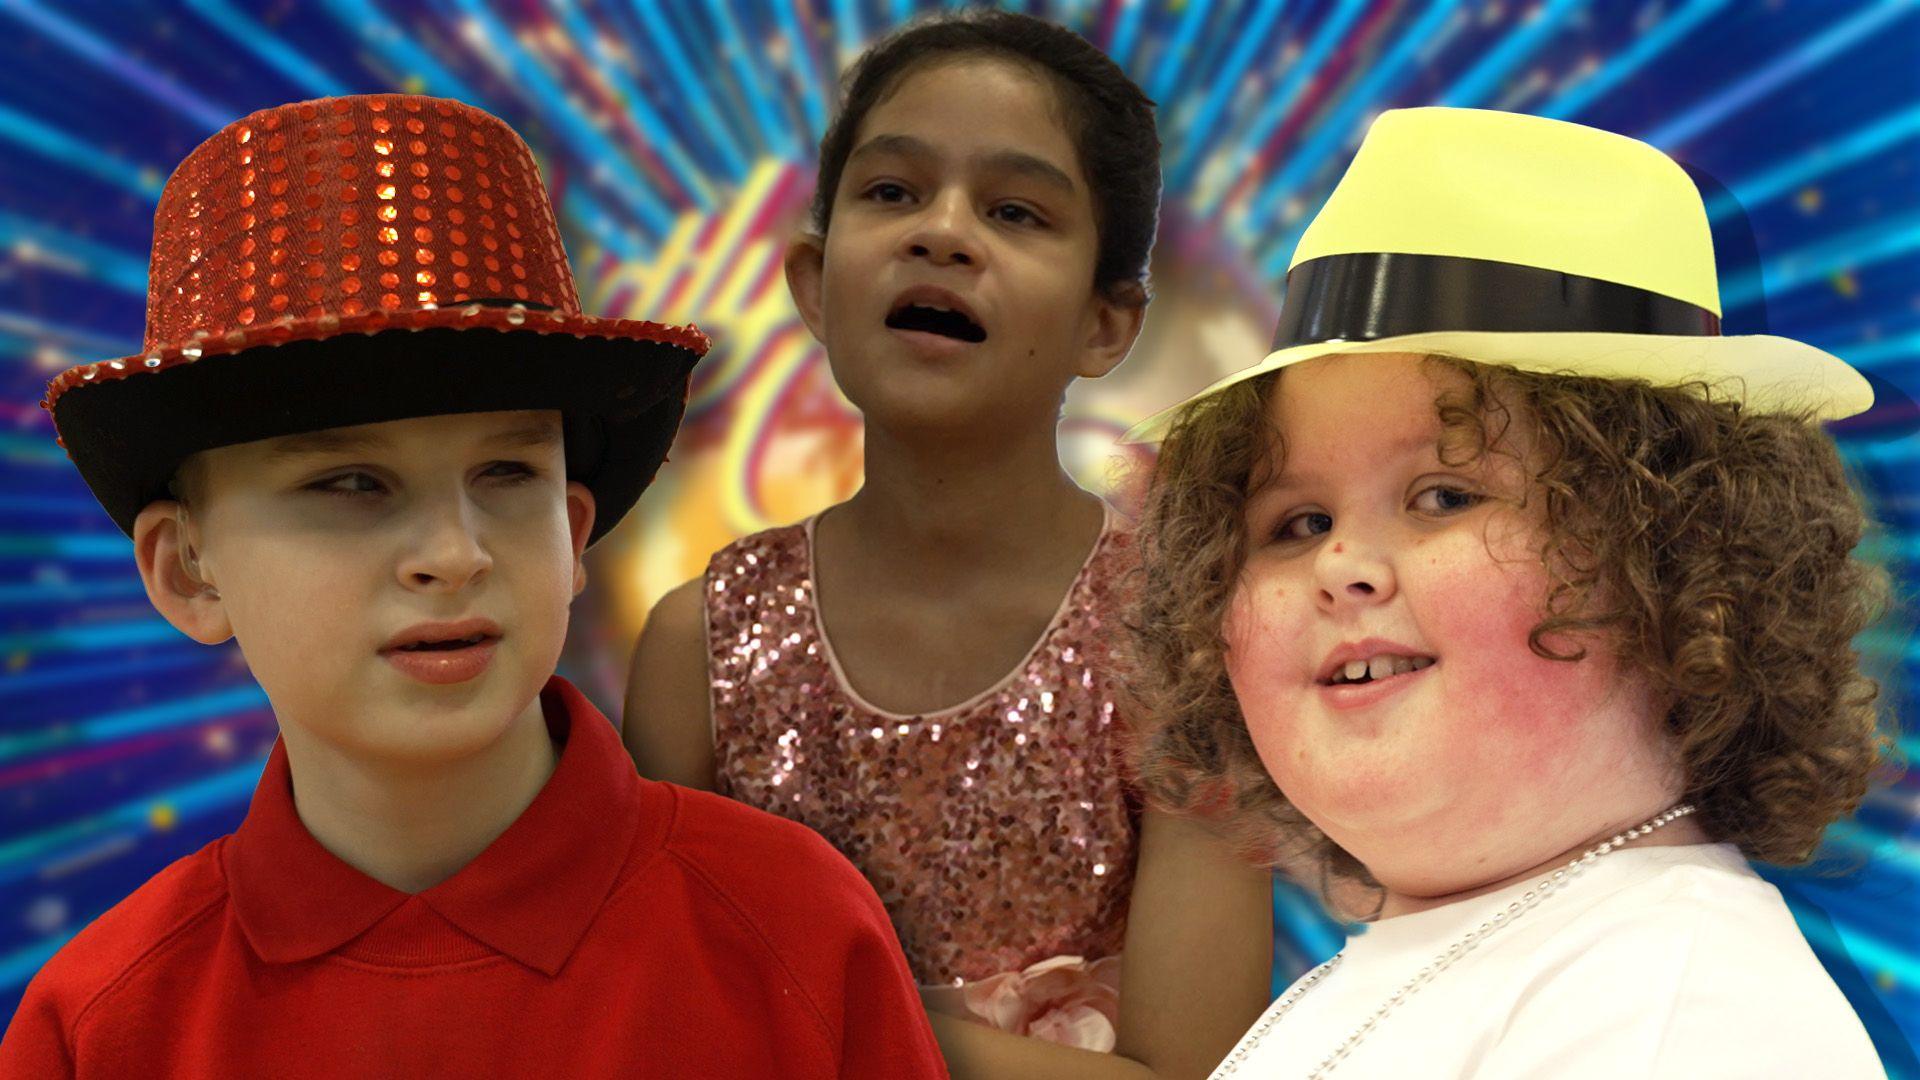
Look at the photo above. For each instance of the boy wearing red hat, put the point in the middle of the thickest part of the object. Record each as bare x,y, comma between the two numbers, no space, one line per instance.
370,437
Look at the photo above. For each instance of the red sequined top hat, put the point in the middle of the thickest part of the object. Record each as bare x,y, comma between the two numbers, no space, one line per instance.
356,260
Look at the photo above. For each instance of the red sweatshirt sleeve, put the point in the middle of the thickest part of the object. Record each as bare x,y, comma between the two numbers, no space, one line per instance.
827,932
884,1028
36,1040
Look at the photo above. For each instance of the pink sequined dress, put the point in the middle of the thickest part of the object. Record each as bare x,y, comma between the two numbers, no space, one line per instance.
998,832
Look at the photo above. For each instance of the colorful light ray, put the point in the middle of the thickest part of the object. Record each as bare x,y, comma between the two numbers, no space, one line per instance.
678,138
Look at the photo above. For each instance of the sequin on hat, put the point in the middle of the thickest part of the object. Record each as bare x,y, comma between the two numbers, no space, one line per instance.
352,221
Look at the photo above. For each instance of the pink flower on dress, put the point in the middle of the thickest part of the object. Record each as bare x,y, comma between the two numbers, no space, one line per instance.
1064,1000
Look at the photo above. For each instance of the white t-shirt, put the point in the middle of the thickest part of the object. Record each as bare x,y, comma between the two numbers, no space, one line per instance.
1654,962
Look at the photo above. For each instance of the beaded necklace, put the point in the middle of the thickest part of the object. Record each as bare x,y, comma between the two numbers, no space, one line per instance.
1546,887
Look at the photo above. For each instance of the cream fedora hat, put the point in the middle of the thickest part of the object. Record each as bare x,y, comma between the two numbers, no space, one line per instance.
1531,243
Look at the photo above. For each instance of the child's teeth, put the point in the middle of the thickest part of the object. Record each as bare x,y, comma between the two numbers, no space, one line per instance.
1381,667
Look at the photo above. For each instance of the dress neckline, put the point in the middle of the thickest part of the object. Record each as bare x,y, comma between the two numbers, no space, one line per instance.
846,685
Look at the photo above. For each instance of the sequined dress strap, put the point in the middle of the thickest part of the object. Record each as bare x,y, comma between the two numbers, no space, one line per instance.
756,577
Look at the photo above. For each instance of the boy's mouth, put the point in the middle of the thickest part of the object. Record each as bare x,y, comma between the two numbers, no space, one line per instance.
444,653
935,311
441,646
443,637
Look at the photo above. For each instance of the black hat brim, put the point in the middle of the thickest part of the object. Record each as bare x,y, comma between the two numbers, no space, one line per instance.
621,400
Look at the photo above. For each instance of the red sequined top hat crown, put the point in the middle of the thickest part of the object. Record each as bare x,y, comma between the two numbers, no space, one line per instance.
359,259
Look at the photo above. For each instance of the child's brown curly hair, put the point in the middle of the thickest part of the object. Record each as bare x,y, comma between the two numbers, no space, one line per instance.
1713,548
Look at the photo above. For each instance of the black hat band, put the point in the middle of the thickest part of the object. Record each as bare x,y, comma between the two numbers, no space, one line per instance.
1373,295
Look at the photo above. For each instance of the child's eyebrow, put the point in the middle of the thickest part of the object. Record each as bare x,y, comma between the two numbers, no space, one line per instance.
1288,479
1017,162
525,437
1027,165
529,437
323,442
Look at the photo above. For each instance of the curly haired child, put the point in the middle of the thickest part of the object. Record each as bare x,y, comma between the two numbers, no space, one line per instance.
1512,607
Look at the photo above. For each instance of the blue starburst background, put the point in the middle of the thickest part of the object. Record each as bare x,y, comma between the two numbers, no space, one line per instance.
677,140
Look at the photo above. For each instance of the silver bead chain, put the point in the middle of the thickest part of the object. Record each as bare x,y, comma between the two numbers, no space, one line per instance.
1544,888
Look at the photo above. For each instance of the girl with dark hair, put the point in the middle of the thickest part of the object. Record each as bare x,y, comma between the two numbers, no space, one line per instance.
923,673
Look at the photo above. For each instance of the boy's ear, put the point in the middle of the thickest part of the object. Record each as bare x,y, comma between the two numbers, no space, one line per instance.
580,514
1113,325
806,262
165,551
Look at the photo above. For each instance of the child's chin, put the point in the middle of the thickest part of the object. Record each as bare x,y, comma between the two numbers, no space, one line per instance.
424,724
1364,800
437,740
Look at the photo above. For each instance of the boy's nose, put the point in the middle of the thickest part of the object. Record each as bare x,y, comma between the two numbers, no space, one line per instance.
446,553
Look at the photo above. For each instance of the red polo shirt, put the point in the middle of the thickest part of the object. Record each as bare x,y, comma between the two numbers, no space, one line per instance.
620,927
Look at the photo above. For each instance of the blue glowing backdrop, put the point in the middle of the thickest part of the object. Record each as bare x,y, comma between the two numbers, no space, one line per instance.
678,139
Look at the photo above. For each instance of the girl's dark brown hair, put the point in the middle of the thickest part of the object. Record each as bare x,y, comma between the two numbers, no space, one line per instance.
1711,547
1110,120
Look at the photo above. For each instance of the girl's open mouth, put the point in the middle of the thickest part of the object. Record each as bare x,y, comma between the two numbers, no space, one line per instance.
939,321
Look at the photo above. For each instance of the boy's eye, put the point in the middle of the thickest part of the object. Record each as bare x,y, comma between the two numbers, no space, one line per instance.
511,471
352,483
885,191
360,483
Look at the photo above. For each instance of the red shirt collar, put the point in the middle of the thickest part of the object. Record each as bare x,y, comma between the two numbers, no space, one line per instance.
531,894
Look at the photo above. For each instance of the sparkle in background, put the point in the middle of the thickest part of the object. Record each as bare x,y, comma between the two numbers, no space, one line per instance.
677,140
